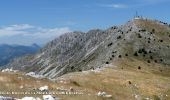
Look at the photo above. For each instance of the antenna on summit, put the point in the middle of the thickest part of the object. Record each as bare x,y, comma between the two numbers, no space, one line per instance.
136,16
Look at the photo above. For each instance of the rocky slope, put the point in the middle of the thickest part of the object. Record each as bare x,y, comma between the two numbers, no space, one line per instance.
141,39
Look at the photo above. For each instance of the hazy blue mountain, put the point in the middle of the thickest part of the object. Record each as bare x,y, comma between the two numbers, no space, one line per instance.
9,52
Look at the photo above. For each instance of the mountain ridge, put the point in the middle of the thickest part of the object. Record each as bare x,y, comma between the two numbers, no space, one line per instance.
79,51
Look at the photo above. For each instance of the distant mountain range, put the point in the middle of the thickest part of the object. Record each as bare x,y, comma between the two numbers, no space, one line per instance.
10,52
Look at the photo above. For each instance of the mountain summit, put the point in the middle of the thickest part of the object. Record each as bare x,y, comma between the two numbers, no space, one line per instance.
142,39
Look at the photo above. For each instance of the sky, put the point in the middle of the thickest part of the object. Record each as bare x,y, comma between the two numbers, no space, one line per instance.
26,22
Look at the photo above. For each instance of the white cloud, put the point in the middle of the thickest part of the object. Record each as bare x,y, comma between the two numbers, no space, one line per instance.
4,32
117,6
114,5
18,27
47,33
27,34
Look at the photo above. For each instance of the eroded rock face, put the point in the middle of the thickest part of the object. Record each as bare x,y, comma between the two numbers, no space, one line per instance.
78,51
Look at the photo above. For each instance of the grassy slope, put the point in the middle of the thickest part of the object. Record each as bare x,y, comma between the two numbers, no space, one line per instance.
113,80
156,28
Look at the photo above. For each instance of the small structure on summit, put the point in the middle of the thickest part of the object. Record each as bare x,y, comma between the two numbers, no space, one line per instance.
137,16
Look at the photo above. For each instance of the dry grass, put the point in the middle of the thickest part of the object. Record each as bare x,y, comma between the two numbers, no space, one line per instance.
149,25
161,31
146,82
